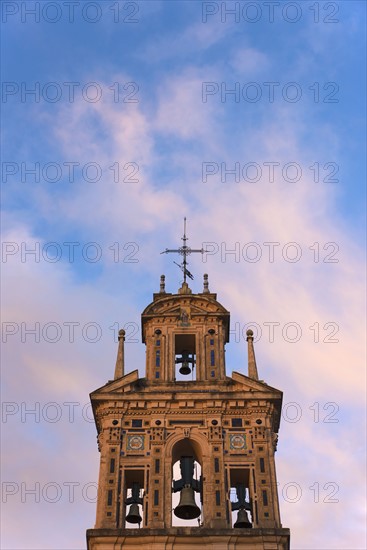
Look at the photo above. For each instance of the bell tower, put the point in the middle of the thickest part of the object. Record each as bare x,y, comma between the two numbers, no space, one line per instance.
187,452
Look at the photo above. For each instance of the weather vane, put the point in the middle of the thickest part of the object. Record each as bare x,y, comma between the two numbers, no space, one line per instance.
184,250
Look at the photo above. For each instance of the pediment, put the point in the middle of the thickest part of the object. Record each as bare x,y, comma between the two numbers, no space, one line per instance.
121,385
184,307
194,309
237,387
247,384
174,304
238,383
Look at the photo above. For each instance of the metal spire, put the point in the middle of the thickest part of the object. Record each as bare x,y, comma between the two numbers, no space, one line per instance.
184,250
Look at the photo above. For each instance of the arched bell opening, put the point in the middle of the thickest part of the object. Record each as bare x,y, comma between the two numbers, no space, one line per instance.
185,357
241,503
134,482
186,484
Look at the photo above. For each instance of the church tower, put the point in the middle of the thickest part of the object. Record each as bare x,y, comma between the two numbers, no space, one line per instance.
187,452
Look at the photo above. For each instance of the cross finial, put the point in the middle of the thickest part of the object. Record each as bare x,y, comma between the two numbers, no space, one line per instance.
184,251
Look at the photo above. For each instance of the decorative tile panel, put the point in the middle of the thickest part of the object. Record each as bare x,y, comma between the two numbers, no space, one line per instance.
237,442
135,442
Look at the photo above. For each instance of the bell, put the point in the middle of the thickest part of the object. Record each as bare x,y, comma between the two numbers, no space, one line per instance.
185,369
134,516
185,360
243,521
187,508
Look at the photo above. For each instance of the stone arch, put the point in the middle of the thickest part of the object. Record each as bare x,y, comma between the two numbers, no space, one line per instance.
184,443
180,441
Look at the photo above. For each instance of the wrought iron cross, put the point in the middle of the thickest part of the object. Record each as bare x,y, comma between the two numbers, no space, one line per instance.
184,251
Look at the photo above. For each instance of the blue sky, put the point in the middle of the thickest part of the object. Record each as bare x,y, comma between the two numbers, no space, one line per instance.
173,130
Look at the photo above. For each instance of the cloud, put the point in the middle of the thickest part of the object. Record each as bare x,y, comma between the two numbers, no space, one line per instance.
196,37
249,61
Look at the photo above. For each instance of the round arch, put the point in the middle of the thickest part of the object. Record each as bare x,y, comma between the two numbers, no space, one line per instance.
180,445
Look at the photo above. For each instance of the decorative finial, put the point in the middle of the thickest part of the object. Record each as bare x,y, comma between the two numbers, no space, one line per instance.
185,289
162,288
184,251
206,284
252,368
120,360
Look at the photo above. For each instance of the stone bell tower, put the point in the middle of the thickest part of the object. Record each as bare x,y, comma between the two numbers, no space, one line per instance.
187,452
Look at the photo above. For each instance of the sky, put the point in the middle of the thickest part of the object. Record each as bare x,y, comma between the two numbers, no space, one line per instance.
118,120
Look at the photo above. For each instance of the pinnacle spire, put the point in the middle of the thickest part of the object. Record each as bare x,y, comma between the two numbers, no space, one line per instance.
162,286
206,284
120,360
252,368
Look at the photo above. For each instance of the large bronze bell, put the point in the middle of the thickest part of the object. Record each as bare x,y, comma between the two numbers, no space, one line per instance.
243,521
185,369
185,361
134,515
187,508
